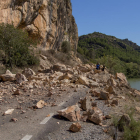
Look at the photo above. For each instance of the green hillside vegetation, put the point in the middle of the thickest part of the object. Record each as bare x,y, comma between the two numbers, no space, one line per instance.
118,55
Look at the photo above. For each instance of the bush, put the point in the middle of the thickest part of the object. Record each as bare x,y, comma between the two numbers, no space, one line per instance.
113,64
17,46
133,131
65,47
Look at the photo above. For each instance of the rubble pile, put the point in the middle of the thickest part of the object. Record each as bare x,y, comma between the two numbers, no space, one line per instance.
37,90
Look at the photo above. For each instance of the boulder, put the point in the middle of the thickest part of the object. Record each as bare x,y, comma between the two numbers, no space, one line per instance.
95,115
104,95
75,127
95,93
28,73
56,75
70,71
8,112
84,69
93,84
43,57
17,92
8,76
82,80
108,117
111,82
20,78
65,76
72,113
122,78
138,109
14,120
59,67
124,121
137,93
65,81
111,90
40,104
97,71
115,102
86,104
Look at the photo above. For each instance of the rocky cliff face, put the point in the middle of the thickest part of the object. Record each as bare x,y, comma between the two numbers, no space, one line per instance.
50,21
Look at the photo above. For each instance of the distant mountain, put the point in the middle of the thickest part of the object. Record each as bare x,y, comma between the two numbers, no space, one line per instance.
96,45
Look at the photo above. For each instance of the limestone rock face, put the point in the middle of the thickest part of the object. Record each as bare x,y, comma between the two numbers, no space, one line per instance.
49,20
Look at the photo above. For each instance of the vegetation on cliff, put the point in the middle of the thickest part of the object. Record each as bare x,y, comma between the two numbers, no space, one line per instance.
118,55
16,47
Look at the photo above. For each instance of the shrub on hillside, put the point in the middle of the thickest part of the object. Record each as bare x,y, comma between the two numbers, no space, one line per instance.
65,47
17,46
132,132
113,64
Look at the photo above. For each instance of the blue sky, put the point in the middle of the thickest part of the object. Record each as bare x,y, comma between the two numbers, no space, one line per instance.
119,18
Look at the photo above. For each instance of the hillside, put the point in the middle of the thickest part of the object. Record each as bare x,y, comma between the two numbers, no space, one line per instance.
97,45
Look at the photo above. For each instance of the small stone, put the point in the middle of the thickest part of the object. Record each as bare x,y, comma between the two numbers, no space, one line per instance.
75,127
48,115
17,92
108,117
8,112
115,102
40,104
13,120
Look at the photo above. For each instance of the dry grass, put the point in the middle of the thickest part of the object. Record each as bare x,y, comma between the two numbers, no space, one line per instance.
58,57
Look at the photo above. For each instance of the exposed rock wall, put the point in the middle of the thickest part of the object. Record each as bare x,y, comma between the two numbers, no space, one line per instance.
50,21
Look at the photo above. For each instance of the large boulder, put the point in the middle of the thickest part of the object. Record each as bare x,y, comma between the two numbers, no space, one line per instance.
86,104
82,80
111,82
84,68
20,78
137,93
104,95
65,76
95,115
28,73
95,92
8,76
111,90
72,113
59,67
92,84
56,75
122,78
